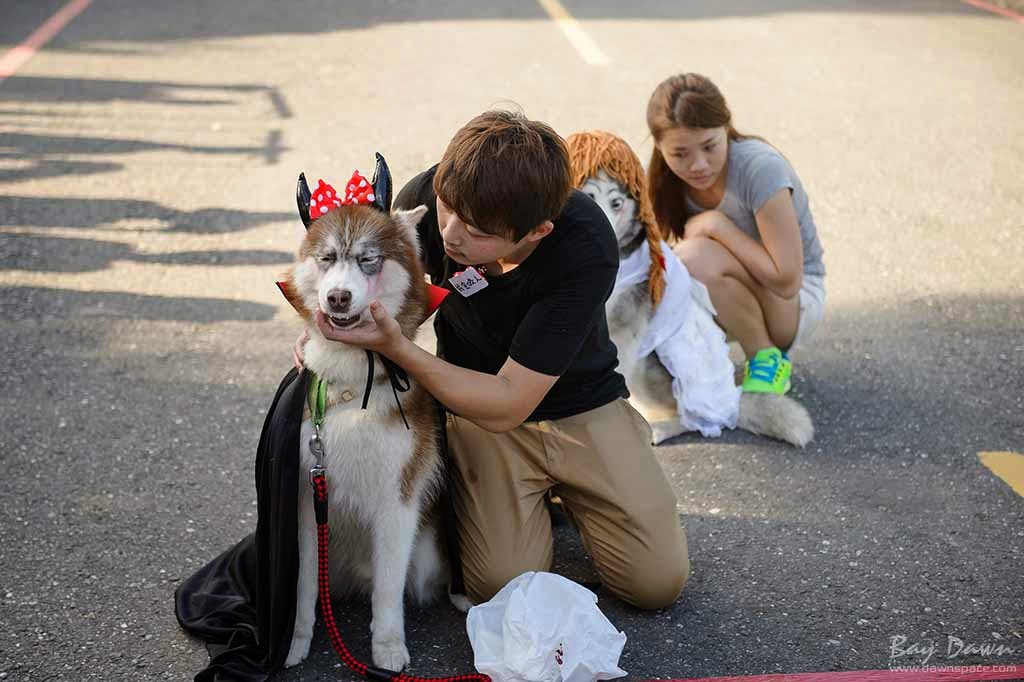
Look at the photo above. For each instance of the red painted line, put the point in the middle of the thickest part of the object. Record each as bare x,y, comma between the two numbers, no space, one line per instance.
995,9
17,56
952,673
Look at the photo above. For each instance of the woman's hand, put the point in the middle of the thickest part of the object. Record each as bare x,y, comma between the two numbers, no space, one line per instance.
381,334
299,350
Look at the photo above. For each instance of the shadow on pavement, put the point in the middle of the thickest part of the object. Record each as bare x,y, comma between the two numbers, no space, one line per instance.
32,303
39,150
59,254
42,212
91,90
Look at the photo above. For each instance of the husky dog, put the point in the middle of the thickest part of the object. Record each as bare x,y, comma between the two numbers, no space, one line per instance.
383,477
605,168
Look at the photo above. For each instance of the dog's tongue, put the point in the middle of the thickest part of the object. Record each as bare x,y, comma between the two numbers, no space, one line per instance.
435,295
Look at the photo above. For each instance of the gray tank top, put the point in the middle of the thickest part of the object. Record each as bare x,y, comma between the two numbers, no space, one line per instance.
756,172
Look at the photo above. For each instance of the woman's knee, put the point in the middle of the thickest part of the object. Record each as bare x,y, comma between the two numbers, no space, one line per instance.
711,220
706,259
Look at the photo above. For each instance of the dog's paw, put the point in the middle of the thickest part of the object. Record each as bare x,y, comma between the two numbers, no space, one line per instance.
298,651
390,653
461,602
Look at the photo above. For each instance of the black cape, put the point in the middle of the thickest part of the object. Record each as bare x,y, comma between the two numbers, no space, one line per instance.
243,602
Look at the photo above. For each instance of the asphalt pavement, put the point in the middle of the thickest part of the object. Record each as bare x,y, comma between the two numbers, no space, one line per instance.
148,156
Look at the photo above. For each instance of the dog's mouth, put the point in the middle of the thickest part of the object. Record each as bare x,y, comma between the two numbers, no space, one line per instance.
344,321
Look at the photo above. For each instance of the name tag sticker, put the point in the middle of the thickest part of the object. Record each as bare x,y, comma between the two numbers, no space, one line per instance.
468,282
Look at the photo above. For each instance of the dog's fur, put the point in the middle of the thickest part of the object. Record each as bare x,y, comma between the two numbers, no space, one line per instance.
383,479
629,311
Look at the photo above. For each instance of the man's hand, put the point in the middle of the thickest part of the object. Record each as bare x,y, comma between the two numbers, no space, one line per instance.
381,334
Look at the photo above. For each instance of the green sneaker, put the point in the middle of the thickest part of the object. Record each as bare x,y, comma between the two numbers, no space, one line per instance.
768,372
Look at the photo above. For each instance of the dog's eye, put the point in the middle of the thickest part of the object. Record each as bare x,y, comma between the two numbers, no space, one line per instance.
327,257
371,264
617,204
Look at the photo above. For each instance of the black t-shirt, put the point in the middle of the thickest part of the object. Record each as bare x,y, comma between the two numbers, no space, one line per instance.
547,314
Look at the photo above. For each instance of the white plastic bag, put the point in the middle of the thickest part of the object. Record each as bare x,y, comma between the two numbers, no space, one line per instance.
542,627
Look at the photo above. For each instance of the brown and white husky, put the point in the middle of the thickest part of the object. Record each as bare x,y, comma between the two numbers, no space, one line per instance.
383,478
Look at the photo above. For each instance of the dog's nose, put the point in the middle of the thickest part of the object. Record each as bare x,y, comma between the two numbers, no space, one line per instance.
339,299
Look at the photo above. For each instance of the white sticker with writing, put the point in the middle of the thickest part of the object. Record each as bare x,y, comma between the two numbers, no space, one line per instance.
468,282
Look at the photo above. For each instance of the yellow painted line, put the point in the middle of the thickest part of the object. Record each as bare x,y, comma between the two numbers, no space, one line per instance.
584,44
1008,466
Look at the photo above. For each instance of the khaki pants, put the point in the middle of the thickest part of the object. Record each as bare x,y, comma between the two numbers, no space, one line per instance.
601,464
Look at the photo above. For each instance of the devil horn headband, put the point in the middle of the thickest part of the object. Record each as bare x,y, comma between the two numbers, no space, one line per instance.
358,191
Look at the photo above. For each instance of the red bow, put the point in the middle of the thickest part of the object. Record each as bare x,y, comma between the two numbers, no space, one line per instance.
324,199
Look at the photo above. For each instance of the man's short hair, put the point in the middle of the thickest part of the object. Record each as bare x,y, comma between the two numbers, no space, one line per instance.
505,174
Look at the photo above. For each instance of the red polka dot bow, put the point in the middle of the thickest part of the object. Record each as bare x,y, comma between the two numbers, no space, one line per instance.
324,199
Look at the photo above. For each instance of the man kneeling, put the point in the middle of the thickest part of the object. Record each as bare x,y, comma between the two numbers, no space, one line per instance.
526,369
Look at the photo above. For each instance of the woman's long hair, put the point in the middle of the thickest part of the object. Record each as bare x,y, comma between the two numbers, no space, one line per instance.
686,100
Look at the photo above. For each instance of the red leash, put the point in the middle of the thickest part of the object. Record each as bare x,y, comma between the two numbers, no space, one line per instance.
319,481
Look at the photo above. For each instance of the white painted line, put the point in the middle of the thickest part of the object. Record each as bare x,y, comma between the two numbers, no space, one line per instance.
17,56
588,49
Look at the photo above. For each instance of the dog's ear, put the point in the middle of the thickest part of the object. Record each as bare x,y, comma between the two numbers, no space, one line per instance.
382,185
409,220
286,285
302,197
